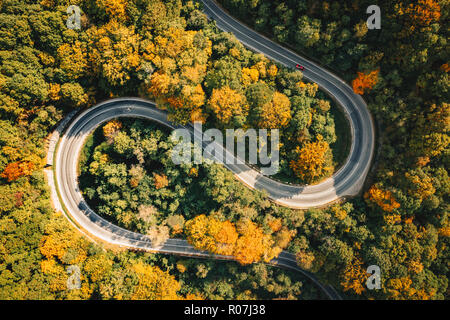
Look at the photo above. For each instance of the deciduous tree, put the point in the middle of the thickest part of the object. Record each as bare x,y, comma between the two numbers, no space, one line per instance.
365,81
313,160
227,104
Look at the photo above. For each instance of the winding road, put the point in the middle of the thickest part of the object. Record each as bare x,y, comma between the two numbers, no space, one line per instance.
347,181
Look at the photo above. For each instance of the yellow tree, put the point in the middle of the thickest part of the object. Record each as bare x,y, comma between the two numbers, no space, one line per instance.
313,160
225,238
253,245
189,101
249,76
179,92
197,233
111,129
309,88
54,91
114,52
115,9
226,103
276,113
154,284
354,277
444,231
73,59
246,242
272,71
206,233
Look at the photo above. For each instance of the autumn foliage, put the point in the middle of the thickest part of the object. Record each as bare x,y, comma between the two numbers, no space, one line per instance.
73,59
403,289
423,12
245,241
111,129
253,245
313,160
226,103
114,8
365,81
182,92
276,113
154,284
161,180
383,198
114,60
354,277
209,234
445,67
249,75
15,170
305,259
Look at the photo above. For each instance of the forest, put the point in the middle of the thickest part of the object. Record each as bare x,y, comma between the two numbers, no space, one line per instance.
402,71
167,51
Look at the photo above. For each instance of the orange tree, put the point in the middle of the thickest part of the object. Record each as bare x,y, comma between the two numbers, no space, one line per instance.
383,198
365,81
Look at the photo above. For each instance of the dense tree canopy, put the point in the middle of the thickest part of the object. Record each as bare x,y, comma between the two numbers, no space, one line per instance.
168,51
402,70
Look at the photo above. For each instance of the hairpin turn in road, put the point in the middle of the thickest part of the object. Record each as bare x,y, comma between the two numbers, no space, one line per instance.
347,181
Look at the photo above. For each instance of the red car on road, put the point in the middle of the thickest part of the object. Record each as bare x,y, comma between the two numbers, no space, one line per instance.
299,67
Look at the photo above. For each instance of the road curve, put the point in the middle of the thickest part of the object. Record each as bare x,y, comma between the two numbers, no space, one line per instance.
349,179
88,222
